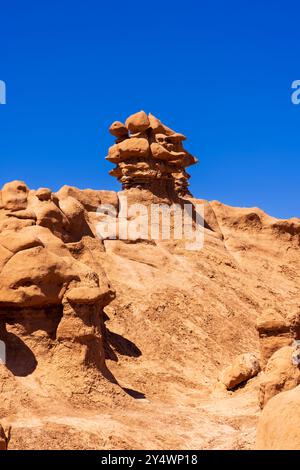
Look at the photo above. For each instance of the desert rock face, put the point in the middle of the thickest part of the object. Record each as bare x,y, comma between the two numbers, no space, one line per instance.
274,332
51,302
102,333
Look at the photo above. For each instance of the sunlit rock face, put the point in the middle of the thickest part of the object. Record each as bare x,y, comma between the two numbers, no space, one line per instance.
149,155
52,293
36,265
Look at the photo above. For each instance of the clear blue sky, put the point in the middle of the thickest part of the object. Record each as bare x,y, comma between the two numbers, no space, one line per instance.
218,71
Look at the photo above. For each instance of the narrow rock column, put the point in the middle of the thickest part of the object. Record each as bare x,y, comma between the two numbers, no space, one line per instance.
81,328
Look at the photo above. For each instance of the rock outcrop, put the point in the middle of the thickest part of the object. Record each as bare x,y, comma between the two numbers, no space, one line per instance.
275,332
244,367
278,427
52,292
149,155
280,375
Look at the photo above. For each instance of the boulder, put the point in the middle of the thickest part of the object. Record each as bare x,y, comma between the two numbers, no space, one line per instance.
14,195
44,194
49,215
84,295
243,368
76,215
138,122
129,148
280,375
118,129
278,427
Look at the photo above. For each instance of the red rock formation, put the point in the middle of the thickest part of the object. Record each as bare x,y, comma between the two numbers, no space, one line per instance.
244,367
279,375
51,300
278,427
178,318
149,155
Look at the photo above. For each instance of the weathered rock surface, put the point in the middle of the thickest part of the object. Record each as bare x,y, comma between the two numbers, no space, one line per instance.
51,299
278,427
149,155
244,367
274,333
280,375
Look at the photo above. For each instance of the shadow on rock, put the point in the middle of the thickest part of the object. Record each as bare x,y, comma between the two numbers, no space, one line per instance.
20,360
117,344
134,393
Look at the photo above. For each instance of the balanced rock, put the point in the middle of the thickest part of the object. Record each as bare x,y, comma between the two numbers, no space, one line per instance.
243,368
118,129
84,295
149,155
138,122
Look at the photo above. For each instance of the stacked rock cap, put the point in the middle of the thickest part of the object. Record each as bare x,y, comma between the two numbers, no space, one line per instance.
146,151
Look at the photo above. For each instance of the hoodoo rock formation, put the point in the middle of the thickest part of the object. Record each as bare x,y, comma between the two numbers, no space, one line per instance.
149,155
51,300
100,334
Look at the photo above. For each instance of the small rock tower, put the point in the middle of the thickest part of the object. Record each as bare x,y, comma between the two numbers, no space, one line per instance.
149,155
